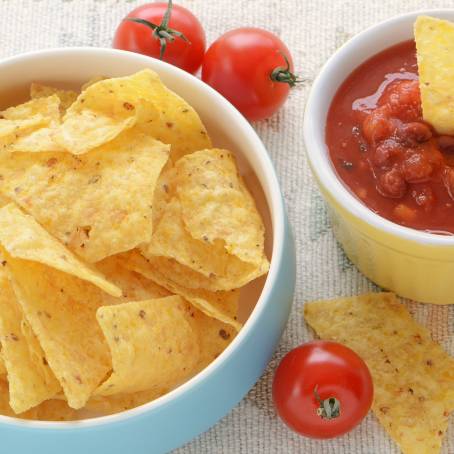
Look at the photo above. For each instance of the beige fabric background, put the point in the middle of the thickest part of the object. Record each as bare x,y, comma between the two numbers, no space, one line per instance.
312,30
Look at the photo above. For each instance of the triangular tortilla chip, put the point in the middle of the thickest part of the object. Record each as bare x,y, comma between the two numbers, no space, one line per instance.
30,379
97,204
13,130
222,305
152,344
103,111
67,97
216,205
92,81
48,107
135,286
210,264
61,310
214,336
40,139
178,124
50,410
24,238
435,48
413,376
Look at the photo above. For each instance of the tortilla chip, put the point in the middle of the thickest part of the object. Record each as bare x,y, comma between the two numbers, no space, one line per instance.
413,376
163,192
24,238
174,121
179,124
13,130
222,305
37,139
5,408
66,97
30,379
92,81
4,200
182,275
435,48
61,310
40,140
104,110
217,206
214,336
50,410
151,342
47,107
210,265
97,204
135,286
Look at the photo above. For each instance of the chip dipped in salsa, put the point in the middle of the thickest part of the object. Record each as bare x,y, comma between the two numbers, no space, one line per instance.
393,160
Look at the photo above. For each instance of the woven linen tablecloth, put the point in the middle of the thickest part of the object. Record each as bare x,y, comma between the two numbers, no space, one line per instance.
312,30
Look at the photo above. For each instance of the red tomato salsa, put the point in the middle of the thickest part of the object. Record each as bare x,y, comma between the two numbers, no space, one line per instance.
383,150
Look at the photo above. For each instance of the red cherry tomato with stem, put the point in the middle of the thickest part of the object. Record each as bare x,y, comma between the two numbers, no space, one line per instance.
322,389
252,68
163,30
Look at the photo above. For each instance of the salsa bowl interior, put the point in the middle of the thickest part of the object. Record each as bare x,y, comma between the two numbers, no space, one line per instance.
349,57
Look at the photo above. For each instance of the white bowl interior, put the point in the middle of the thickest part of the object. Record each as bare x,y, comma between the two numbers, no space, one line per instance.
360,48
69,68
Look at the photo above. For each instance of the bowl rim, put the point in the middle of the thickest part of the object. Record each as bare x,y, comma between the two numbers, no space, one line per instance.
276,208
314,137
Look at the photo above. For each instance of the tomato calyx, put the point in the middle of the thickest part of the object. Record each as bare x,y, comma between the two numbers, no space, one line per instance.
161,32
284,75
329,408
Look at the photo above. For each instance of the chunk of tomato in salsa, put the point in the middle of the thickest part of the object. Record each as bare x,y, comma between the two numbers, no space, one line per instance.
384,151
403,100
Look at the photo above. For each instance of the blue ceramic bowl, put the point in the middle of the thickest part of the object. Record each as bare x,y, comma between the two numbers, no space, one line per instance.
192,408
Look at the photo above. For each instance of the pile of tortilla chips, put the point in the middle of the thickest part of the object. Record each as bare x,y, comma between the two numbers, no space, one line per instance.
124,242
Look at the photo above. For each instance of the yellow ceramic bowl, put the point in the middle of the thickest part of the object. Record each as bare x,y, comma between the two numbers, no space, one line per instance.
412,263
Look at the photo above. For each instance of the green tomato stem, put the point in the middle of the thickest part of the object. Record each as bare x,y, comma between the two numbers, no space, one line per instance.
328,408
284,75
162,32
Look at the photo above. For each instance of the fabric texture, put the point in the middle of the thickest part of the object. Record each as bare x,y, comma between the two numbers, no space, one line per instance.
312,29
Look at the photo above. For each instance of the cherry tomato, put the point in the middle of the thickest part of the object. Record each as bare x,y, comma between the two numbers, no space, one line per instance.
176,37
322,389
252,68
